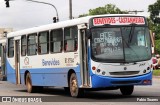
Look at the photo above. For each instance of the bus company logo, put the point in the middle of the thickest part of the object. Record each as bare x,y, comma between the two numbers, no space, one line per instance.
26,61
51,62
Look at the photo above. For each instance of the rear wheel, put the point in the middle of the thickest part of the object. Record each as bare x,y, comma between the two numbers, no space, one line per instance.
75,91
127,90
30,88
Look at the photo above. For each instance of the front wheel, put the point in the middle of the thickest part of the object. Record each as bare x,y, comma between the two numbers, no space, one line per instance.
75,91
127,90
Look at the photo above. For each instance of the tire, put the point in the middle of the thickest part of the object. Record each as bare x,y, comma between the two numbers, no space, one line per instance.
30,88
38,88
75,91
127,90
67,90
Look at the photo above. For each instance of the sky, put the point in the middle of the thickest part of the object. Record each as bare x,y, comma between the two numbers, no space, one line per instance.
24,14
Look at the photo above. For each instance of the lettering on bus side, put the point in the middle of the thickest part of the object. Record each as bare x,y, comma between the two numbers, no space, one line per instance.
69,60
52,62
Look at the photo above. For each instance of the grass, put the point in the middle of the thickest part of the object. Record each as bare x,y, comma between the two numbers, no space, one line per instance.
156,72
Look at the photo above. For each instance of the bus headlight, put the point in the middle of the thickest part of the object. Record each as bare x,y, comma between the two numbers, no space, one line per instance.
144,71
148,68
103,73
98,70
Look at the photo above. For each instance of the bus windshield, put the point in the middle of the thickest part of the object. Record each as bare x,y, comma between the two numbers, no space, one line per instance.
121,44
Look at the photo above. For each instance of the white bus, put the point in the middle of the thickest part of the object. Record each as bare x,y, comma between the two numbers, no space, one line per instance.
94,52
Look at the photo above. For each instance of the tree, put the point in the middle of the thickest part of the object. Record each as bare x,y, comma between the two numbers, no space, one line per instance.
154,10
157,46
107,9
83,15
154,23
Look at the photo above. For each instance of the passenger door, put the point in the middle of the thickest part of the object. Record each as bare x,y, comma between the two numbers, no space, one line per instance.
84,58
17,60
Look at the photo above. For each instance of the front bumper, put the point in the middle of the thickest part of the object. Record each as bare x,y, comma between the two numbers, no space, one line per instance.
103,81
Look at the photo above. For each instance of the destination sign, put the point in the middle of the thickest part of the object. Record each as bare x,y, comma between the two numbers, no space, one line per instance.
118,20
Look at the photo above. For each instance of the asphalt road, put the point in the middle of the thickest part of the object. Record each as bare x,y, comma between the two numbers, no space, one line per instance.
142,95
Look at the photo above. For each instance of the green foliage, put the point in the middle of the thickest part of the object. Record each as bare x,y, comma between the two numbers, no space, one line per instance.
155,28
83,15
157,32
156,72
157,44
107,9
154,9
154,12
155,25
97,11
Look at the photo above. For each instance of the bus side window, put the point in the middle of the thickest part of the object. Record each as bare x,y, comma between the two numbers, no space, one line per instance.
56,41
43,43
71,40
10,47
39,49
32,45
65,46
23,45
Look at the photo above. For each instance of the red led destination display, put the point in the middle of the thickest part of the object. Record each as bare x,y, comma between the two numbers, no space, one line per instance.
118,20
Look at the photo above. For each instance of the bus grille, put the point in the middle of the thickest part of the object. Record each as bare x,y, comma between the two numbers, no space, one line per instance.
124,73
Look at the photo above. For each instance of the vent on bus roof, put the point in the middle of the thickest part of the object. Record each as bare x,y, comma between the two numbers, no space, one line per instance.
124,73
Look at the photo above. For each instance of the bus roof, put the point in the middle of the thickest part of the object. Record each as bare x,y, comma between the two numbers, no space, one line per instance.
60,25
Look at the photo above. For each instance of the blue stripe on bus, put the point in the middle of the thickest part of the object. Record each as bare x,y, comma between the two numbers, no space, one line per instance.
50,76
103,81
45,76
89,61
11,74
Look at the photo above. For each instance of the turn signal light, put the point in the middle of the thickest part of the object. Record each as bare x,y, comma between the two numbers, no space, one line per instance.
147,82
93,68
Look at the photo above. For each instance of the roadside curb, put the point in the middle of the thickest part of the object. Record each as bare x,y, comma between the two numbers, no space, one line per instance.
156,76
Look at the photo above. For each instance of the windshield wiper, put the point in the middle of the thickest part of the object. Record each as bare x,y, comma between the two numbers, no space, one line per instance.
130,48
131,32
130,39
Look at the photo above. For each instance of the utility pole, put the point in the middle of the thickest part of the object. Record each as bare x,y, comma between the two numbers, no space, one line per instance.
135,11
70,9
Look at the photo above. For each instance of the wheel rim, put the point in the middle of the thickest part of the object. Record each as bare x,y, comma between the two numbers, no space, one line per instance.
29,86
73,85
